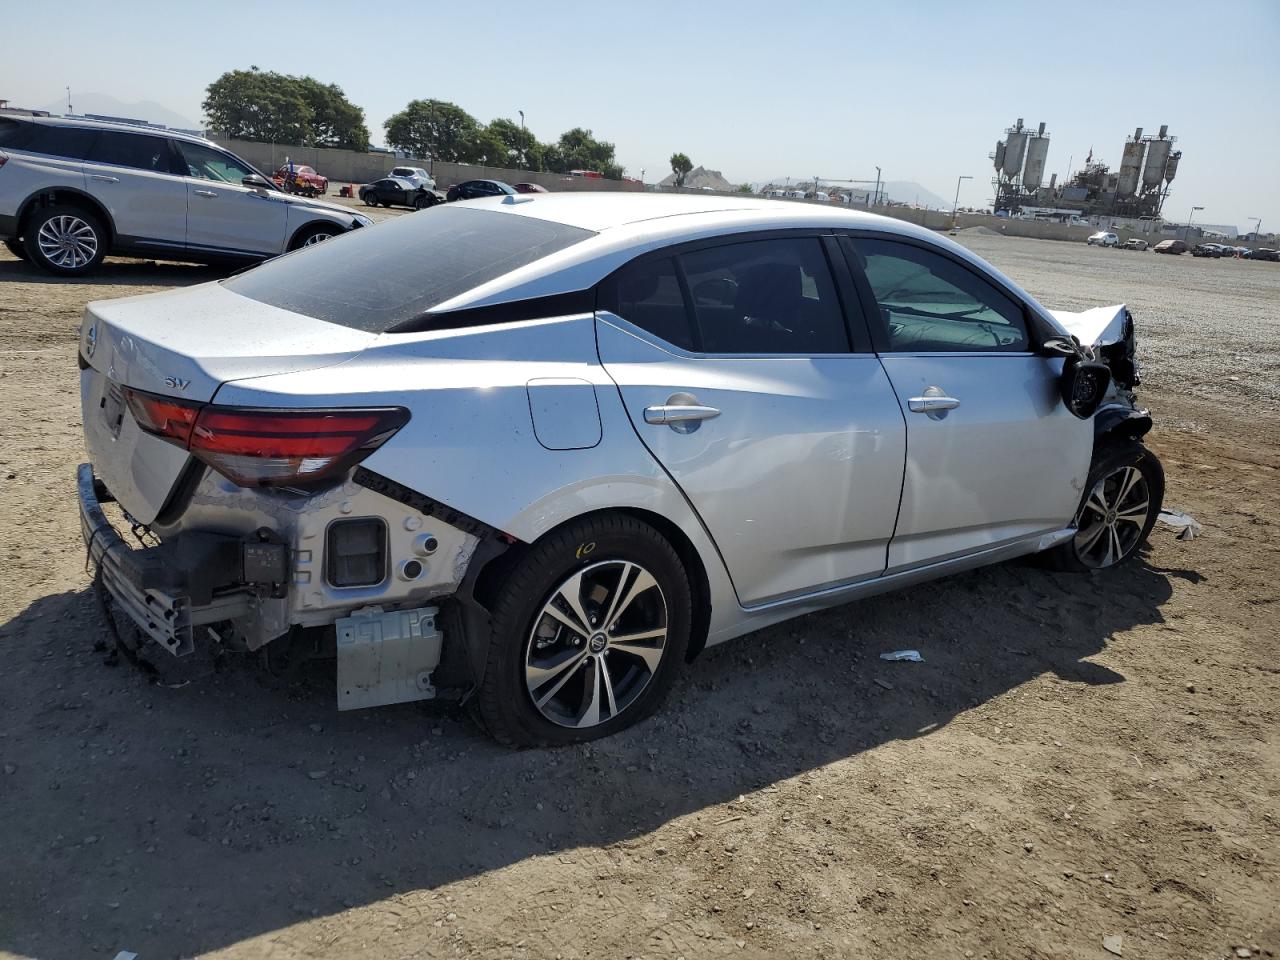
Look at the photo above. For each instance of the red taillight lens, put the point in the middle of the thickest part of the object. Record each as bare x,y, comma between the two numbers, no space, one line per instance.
163,416
263,447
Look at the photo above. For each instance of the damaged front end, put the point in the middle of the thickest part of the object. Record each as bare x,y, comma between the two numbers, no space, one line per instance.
1106,334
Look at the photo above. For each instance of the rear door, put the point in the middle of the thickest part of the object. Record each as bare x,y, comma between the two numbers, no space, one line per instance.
737,368
135,176
223,215
993,455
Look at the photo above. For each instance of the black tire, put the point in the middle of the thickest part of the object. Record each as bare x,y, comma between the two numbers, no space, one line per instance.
421,203
17,249
315,234
81,224
504,702
371,199
386,203
1111,460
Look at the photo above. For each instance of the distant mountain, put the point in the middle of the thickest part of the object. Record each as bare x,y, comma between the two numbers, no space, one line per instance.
107,105
903,191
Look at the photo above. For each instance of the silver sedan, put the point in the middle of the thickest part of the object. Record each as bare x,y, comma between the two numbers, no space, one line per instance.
543,450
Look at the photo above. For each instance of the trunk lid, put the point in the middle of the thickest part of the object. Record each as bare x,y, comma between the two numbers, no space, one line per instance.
184,344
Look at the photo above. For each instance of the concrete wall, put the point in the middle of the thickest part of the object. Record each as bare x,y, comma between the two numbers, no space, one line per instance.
351,166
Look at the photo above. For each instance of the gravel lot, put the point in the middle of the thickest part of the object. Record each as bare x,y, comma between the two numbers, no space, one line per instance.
1077,758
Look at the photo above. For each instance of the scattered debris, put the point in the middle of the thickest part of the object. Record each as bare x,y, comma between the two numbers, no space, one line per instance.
912,656
126,955
1187,526
1113,944
883,683
1243,952
318,774
721,823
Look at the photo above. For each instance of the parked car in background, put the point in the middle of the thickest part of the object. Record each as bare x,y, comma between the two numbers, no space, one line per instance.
73,191
415,175
531,188
1264,253
1171,246
1133,243
1104,239
1212,250
699,435
473,189
301,179
392,191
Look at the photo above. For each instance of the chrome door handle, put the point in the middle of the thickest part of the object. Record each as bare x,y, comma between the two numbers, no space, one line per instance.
204,193
679,413
930,404
104,179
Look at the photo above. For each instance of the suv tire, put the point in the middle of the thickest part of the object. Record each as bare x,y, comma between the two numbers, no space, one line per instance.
630,585
17,249
65,240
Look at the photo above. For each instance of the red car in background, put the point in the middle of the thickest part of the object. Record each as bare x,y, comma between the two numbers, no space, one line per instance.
298,178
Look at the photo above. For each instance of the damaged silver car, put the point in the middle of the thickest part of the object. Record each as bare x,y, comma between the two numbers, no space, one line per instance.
540,451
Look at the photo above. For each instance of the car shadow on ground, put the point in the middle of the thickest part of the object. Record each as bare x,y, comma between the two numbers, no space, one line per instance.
130,273
178,817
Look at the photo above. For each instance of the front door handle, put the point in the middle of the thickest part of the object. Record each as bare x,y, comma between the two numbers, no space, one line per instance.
204,193
934,403
103,178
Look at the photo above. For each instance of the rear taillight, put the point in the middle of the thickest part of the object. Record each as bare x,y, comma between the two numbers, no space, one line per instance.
264,447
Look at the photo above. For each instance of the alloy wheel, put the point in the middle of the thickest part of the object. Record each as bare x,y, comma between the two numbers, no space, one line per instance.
67,241
316,238
596,644
1113,517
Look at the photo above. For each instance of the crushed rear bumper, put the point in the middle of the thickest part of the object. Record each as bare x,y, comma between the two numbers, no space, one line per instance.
192,579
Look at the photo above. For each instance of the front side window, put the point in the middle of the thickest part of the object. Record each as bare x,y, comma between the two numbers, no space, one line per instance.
931,304
206,164
765,296
136,150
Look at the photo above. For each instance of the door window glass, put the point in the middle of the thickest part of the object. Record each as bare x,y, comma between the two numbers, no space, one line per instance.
648,294
70,142
765,296
136,150
929,303
208,164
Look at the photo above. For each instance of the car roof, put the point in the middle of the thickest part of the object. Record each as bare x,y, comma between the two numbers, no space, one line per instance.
121,127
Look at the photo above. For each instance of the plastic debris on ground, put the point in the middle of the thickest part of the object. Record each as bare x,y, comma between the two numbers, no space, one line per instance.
912,656
1186,526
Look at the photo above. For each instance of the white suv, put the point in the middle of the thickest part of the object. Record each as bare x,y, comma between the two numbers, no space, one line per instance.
1104,239
72,191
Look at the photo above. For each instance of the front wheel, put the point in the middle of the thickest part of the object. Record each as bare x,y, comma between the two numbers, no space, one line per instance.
370,200
1123,496
17,249
588,634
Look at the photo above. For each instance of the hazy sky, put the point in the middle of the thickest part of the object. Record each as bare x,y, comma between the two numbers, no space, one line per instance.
754,89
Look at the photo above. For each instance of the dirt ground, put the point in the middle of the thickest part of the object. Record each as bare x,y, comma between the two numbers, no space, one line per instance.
1078,758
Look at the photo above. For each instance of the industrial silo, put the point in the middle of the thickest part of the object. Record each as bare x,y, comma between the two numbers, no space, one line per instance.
1171,166
1015,149
1157,155
998,156
1131,165
1037,151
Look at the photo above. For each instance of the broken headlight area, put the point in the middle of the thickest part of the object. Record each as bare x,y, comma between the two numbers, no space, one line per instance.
1120,356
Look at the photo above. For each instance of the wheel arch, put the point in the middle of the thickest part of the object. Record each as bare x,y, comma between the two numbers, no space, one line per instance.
1115,423
70,196
311,225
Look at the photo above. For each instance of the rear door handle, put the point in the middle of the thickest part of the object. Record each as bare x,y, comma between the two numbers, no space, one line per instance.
204,193
103,178
682,413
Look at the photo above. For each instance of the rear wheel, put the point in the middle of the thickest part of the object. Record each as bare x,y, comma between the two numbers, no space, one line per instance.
17,249
371,199
589,631
65,240
1123,496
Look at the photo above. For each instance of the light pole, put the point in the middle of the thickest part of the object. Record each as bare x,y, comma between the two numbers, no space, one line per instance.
956,206
522,160
877,203
1257,228
1186,231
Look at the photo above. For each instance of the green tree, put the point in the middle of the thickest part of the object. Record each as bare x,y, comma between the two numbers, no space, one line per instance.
435,128
680,166
745,188
266,106
520,148
577,149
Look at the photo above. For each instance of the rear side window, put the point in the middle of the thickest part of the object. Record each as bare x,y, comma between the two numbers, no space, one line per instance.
14,133
931,304
647,293
71,143
388,276
137,150
766,296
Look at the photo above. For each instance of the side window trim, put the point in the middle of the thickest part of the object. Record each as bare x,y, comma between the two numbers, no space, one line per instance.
871,307
857,328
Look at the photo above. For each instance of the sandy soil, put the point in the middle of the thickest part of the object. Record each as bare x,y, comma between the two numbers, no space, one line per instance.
1077,758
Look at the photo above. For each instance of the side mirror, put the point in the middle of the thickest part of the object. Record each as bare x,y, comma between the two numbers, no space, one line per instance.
1083,384
1062,346
255,181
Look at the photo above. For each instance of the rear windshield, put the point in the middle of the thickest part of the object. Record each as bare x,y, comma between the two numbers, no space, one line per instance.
376,278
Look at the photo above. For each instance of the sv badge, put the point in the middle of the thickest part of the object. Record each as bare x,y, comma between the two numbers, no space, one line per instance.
176,383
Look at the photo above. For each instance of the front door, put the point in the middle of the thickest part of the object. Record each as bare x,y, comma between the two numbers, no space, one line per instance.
735,365
993,455
223,215
134,176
